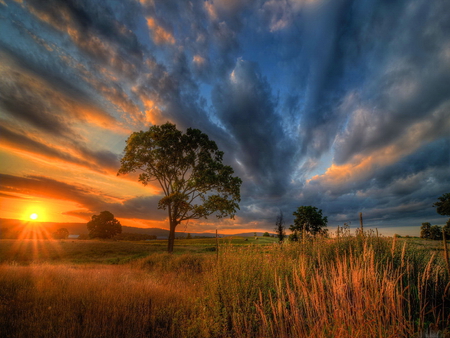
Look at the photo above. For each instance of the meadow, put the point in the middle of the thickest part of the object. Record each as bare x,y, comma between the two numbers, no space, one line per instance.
352,286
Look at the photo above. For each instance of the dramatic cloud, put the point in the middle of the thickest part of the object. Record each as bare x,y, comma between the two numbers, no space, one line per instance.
246,108
344,105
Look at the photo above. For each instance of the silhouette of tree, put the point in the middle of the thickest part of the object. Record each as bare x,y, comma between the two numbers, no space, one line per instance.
425,230
104,226
279,227
443,205
61,233
309,219
188,168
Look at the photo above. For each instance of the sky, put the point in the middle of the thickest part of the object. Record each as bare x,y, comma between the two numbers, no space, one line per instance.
343,105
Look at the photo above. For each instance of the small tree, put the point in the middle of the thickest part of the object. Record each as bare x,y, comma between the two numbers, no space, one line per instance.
61,233
104,226
188,236
425,230
189,169
266,234
436,232
279,227
309,219
443,205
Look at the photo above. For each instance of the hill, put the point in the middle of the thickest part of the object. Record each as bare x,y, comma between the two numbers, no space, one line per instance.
11,228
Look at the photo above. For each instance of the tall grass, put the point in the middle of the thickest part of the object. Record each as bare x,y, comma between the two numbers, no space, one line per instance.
363,286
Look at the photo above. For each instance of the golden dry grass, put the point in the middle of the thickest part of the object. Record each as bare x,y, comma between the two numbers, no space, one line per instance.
354,287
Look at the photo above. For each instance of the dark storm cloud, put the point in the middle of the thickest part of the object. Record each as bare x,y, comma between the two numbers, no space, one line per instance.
246,107
409,82
93,18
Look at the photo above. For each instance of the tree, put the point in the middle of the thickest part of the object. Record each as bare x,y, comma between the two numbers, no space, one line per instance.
446,229
279,227
425,230
436,232
266,234
189,169
443,205
61,233
104,226
188,236
310,220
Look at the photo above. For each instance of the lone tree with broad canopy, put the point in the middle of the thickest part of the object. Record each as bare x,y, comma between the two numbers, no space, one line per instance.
104,226
189,169
309,219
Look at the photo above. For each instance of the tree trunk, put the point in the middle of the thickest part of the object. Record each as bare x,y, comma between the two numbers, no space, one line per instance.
173,225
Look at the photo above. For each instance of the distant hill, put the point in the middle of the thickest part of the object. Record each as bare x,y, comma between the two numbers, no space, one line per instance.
9,228
249,234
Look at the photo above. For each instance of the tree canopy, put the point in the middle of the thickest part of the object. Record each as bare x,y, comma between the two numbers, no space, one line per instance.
309,219
188,167
104,226
443,205
61,233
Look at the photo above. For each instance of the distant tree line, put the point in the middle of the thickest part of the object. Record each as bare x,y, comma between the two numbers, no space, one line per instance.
128,236
436,232
309,222
429,231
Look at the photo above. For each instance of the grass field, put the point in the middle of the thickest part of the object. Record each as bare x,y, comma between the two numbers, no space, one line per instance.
351,287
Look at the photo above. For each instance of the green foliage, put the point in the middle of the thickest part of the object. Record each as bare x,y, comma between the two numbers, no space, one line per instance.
446,229
188,168
443,205
266,234
433,232
294,236
436,232
104,226
309,219
425,230
62,233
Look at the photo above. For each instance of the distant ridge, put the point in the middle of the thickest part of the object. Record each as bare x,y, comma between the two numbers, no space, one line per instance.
7,225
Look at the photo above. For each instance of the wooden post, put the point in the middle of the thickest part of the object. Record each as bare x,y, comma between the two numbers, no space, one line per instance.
217,245
361,223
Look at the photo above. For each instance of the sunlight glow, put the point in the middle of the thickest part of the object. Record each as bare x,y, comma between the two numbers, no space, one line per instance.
34,216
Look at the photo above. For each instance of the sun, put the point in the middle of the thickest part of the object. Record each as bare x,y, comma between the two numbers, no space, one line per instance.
34,216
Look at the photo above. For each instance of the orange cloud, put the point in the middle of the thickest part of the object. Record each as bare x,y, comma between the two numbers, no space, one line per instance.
210,9
362,166
159,34
199,60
